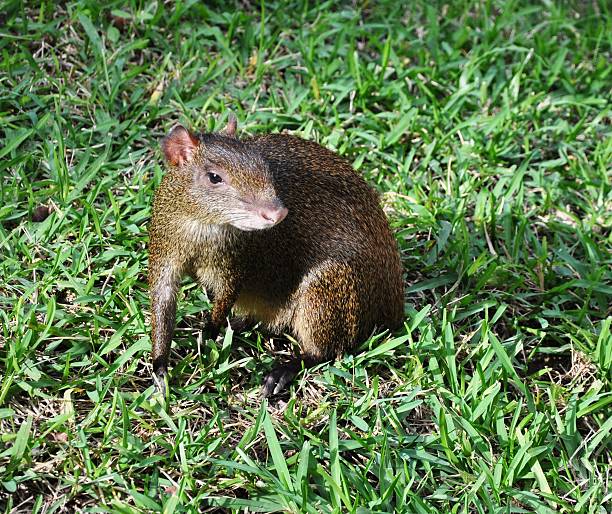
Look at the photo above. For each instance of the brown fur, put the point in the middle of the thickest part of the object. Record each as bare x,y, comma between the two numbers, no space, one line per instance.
329,272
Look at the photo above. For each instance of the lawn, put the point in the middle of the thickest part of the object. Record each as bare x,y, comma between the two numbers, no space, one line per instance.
486,127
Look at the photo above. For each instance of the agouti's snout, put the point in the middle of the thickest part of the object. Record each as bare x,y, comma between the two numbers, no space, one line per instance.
260,215
273,214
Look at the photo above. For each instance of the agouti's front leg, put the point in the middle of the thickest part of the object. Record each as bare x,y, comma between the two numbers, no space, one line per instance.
222,290
223,302
163,286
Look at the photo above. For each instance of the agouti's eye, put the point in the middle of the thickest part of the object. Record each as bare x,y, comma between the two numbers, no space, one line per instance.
214,178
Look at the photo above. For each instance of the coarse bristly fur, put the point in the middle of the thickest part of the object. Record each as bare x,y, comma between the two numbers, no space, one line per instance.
325,267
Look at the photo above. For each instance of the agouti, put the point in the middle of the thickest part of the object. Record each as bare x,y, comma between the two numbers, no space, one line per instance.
280,229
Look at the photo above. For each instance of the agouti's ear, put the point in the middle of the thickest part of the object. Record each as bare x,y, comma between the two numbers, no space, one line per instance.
232,124
179,146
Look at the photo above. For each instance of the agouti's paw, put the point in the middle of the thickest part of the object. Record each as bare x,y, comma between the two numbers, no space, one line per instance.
240,324
160,379
210,330
278,379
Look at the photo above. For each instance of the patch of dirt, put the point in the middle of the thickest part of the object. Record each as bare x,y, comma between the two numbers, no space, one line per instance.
568,368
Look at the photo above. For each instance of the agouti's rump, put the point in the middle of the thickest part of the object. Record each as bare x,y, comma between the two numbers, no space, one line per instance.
282,230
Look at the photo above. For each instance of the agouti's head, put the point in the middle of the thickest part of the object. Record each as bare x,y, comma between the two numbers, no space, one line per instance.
227,182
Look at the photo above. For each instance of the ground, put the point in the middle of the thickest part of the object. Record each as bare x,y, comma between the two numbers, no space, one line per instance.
486,128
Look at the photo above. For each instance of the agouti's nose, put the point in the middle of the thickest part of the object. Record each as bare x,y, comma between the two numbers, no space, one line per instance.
273,214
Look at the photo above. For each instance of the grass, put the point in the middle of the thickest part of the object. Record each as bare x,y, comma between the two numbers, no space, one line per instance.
486,127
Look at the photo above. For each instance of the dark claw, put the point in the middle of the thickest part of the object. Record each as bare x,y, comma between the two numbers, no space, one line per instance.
278,379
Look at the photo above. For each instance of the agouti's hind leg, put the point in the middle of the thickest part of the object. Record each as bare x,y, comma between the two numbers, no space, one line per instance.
325,323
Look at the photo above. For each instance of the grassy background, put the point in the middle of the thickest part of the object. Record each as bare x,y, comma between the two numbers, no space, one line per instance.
486,127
